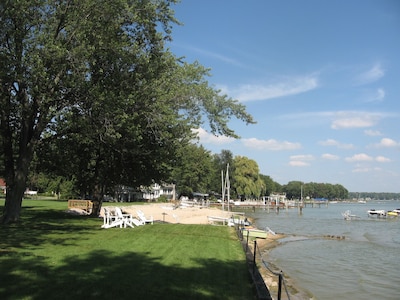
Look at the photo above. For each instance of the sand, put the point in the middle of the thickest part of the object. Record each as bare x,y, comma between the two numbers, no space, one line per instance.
165,212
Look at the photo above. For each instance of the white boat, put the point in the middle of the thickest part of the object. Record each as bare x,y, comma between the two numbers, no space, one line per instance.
376,213
347,215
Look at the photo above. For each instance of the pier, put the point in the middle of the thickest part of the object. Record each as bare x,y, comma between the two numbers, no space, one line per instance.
289,204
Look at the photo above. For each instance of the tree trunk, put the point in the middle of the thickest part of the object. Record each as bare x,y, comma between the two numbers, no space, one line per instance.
97,201
13,203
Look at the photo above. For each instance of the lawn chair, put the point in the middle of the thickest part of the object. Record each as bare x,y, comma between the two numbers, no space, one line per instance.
111,219
143,218
127,219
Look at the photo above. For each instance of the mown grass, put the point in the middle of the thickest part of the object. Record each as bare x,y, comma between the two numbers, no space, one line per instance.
54,255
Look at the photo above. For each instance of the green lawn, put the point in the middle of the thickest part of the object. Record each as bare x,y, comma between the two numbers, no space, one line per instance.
53,255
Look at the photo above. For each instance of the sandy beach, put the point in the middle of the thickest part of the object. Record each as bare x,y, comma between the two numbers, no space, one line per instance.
165,212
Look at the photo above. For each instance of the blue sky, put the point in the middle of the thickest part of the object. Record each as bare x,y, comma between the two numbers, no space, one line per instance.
321,78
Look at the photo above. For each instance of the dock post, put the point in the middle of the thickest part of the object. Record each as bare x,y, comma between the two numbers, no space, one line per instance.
254,255
280,286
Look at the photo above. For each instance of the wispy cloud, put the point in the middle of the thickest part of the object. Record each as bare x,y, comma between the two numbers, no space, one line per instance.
371,132
359,157
380,95
270,144
211,54
362,157
371,75
329,156
300,160
298,163
340,119
332,142
382,159
208,138
286,87
355,119
387,143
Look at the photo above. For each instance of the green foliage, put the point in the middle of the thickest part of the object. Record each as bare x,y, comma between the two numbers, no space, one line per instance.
315,190
92,91
270,186
246,178
193,170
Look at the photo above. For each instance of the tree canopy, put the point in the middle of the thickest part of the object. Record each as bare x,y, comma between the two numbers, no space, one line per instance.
91,90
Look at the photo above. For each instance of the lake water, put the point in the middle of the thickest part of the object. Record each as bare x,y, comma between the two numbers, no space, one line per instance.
363,265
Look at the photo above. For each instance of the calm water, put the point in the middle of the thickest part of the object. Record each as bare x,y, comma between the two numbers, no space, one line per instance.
365,265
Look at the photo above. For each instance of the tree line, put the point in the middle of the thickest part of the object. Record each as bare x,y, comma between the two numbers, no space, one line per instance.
198,170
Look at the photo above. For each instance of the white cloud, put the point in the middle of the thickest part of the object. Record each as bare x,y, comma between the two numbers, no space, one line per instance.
362,157
382,159
371,132
359,157
300,160
290,86
332,142
387,143
354,119
297,163
208,138
307,157
270,144
373,74
329,156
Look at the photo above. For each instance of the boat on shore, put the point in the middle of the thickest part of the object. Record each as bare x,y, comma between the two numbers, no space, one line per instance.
257,233
376,213
254,233
347,215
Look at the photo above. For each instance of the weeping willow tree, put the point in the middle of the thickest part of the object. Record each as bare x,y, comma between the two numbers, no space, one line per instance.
246,179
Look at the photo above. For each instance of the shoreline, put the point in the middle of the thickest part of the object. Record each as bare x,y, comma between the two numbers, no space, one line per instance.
271,280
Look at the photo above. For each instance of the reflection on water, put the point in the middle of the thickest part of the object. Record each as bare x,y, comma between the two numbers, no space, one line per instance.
363,265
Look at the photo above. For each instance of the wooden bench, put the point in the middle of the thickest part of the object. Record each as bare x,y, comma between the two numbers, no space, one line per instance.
85,205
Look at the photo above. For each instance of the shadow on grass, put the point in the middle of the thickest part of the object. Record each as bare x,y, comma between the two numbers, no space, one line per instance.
27,272
103,275
35,225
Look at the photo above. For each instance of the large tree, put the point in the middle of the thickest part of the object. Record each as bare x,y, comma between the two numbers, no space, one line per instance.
246,179
97,76
193,170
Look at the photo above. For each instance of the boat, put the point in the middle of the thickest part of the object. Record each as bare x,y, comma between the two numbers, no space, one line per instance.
376,213
254,233
394,212
347,215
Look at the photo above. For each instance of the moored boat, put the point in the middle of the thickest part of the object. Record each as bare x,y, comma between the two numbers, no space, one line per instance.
376,213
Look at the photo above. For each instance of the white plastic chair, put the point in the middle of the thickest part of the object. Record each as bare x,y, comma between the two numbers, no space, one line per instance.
143,218
110,219
127,219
